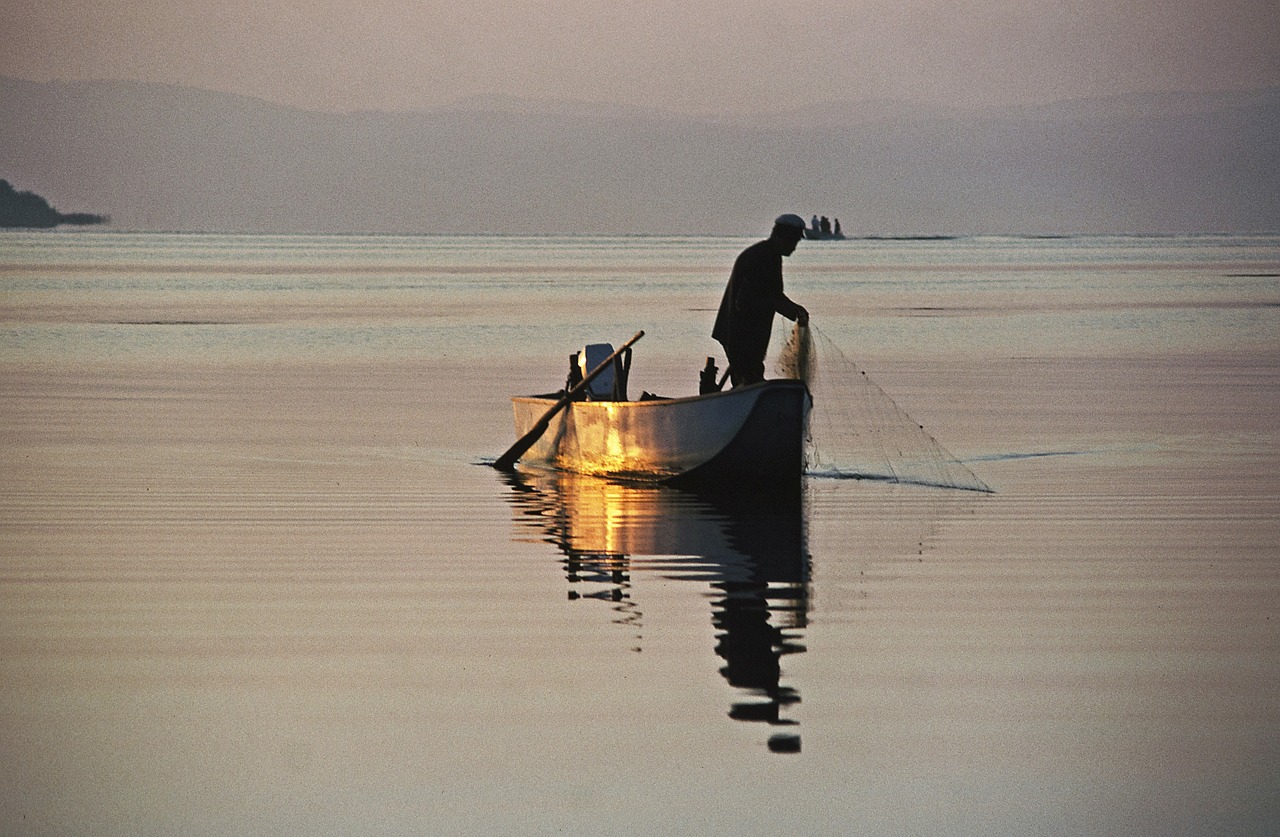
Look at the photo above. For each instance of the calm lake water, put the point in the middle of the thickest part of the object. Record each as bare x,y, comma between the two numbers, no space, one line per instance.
254,578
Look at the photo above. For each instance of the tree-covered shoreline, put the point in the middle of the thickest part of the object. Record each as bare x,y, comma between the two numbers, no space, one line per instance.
27,209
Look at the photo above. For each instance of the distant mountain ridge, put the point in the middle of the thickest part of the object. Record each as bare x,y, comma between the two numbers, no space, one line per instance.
172,157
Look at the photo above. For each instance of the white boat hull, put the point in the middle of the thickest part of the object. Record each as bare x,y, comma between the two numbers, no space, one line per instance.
755,432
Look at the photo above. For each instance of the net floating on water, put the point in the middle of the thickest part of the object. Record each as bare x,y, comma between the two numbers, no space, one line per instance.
856,430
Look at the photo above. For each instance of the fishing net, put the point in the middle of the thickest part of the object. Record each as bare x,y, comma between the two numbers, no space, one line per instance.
856,431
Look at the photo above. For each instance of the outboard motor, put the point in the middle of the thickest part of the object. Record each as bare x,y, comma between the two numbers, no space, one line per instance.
609,385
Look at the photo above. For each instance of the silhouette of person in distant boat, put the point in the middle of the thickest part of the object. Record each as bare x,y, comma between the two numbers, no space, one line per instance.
754,294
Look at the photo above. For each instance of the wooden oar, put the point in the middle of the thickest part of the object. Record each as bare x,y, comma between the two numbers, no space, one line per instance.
508,460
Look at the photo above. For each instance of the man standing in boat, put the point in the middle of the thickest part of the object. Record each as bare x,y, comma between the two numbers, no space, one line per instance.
754,294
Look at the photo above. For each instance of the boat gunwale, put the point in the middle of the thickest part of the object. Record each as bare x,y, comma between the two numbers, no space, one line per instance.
551,398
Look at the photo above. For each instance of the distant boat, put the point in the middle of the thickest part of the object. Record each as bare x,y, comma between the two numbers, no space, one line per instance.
751,434
818,235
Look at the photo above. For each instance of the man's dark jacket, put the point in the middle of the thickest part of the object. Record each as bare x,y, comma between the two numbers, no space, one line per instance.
745,320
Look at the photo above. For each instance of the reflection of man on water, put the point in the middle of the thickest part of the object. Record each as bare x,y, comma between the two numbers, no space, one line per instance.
749,547
752,647
754,294
759,616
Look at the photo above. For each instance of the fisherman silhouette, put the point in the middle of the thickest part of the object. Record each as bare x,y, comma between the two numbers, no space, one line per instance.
754,294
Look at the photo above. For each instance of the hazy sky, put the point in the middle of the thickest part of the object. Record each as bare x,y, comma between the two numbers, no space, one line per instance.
714,55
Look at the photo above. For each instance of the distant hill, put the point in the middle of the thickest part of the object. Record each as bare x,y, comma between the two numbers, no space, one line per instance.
167,157
27,209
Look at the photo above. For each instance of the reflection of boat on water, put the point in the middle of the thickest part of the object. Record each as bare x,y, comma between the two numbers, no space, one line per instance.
748,548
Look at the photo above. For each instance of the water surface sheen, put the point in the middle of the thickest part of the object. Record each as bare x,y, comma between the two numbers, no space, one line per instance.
253,580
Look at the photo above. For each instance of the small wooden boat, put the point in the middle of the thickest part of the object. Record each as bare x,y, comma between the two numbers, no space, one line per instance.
749,435
754,433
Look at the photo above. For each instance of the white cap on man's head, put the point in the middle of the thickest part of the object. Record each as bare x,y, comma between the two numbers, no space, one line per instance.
788,226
